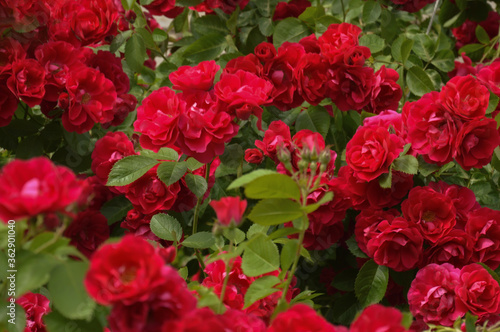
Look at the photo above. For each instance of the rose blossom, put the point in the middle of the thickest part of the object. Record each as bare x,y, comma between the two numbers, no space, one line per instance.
88,231
27,81
164,7
300,317
455,248
193,79
432,294
477,291
35,306
465,97
483,225
376,317
276,136
367,222
336,39
386,93
30,187
229,210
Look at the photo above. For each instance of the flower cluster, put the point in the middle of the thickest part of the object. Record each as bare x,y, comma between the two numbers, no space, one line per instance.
442,293
466,33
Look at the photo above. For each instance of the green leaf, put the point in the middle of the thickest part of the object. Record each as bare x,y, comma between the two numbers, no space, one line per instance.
67,291
345,309
234,234
116,209
482,35
407,164
275,211
135,52
371,283
146,37
327,197
493,103
266,26
473,51
119,41
373,42
193,164
47,237
470,322
273,186
169,172
260,256
159,35
419,81
197,184
444,60
247,178
344,281
233,155
385,180
401,48
266,7
423,46
162,154
56,322
425,168
353,247
260,288
288,253
33,272
315,118
128,4
200,240
166,227
207,48
209,24
129,169
371,11
290,29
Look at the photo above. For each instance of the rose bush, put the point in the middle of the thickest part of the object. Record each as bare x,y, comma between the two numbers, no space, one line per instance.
250,165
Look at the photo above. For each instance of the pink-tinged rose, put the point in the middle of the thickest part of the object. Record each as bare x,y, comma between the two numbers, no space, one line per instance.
432,129
90,99
164,8
432,212
229,210
169,300
477,291
27,81
371,151
465,97
150,195
275,137
367,222
490,76
300,317
193,79
337,39
35,306
108,150
242,94
483,225
455,248
378,318
398,245
432,294
157,119
31,187
254,156
386,93
475,143
88,231
125,272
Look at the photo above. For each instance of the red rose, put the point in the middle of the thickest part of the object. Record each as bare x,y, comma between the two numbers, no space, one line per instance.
108,150
240,321
490,76
379,197
164,8
350,88
85,22
253,156
276,136
204,130
157,119
265,51
465,97
455,248
138,223
463,68
229,210
466,33
30,187
412,6
311,74
371,151
27,81
386,93
227,6
475,143
243,93
378,318
123,106
431,128
300,317
290,9
169,300
149,194
337,39
484,226
249,63
191,79
124,272
433,213
35,306
398,245
310,44
88,231
10,51
111,66
367,222
353,188
280,71
8,104
432,294
90,99
477,291
199,320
